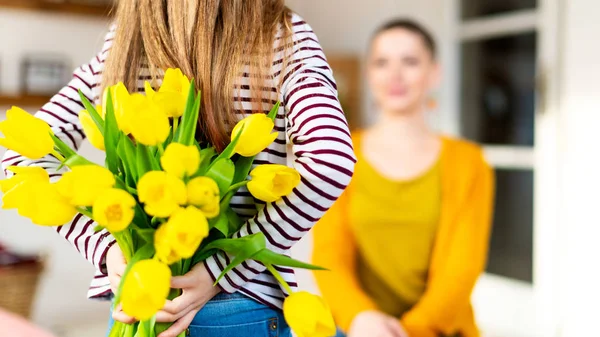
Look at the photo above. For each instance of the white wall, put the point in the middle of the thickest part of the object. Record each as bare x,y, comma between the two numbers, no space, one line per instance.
345,27
580,120
62,295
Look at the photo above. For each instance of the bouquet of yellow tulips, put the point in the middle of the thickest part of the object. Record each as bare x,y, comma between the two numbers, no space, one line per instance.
163,197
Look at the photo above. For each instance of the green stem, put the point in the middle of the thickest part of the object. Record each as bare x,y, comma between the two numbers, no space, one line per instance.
237,186
58,156
124,243
161,149
85,212
278,277
175,125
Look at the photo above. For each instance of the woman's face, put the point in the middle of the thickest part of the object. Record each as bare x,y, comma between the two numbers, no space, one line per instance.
401,71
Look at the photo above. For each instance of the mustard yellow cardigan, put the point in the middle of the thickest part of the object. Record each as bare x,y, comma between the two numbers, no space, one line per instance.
458,258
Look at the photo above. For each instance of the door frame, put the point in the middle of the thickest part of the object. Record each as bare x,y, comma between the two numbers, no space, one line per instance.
506,307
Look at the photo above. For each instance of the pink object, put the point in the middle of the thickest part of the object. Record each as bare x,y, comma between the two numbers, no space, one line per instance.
15,326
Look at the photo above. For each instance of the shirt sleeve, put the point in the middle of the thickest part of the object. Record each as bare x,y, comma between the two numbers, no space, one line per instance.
322,146
61,113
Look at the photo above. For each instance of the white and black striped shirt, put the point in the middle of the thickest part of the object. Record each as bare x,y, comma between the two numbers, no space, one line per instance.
310,119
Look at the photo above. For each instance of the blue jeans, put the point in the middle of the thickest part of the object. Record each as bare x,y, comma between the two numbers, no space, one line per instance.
235,315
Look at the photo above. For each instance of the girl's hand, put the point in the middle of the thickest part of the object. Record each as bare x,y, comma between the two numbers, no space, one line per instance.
115,266
198,289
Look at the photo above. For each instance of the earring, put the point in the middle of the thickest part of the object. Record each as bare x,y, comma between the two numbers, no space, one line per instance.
431,103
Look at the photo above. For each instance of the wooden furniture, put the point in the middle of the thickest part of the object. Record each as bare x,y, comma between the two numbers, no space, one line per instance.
65,6
24,101
347,73
19,276
60,7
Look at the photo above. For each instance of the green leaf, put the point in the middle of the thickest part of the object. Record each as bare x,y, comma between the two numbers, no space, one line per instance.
243,165
206,157
146,328
92,111
63,148
243,249
228,152
202,253
129,329
273,113
126,152
169,139
222,172
235,222
189,105
146,234
154,158
144,162
269,257
237,260
117,329
146,252
186,133
77,160
247,245
141,218
221,223
111,136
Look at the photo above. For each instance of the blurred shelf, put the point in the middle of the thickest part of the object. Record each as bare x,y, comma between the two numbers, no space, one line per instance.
59,7
24,100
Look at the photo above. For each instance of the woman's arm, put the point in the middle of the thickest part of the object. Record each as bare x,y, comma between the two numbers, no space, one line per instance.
449,294
61,113
325,160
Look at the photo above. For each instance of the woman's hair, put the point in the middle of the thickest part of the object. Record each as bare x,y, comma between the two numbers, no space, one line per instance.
411,26
212,41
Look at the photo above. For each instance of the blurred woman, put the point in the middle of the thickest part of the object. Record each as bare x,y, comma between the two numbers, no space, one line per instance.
408,239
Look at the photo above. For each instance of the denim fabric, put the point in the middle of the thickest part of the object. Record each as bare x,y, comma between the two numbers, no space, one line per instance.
235,315
340,333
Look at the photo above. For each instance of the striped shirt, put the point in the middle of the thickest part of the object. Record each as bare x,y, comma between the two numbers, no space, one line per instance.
311,120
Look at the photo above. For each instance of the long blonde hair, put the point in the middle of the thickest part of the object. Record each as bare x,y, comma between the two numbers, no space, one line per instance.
212,41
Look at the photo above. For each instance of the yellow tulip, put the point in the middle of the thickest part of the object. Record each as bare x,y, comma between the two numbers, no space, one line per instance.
146,122
39,201
21,174
180,160
84,184
271,182
308,315
51,208
164,249
180,237
114,210
25,134
203,193
162,193
120,98
91,129
256,134
172,95
145,289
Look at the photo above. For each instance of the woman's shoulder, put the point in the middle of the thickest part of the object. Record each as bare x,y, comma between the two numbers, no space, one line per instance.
464,152
461,145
